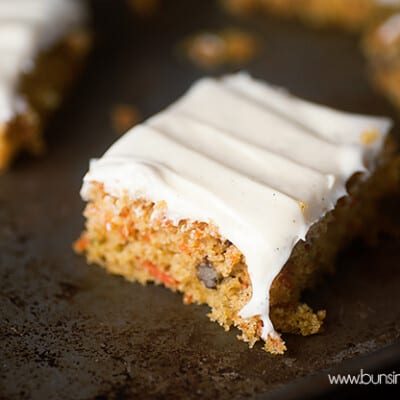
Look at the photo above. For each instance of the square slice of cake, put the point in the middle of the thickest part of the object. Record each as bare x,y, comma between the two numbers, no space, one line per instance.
238,195
381,44
352,15
42,46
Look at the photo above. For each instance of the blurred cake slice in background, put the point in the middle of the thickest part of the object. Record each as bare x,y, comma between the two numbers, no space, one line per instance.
42,47
381,44
352,15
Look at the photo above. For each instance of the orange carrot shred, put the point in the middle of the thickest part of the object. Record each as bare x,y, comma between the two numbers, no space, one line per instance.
184,248
81,244
159,275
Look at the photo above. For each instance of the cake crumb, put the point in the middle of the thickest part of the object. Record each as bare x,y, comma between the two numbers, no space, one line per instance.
240,46
206,50
144,8
214,49
275,345
303,206
124,117
239,7
369,136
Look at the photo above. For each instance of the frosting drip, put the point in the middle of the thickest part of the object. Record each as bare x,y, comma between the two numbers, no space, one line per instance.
259,163
26,28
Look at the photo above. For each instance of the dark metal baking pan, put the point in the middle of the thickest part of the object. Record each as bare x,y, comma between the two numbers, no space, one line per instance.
71,331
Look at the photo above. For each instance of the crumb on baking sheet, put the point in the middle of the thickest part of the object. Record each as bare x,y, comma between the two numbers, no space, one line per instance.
239,7
124,117
214,49
79,41
240,46
144,8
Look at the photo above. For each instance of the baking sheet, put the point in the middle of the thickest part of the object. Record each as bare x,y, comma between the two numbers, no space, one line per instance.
70,331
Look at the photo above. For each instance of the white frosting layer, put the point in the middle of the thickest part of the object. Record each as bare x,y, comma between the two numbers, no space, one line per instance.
247,157
26,28
388,3
389,30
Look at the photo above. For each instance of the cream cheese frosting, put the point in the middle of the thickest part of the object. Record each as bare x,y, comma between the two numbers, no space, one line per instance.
28,27
389,30
388,3
259,163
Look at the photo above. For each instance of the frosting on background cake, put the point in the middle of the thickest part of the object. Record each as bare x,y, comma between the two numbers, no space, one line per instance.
260,164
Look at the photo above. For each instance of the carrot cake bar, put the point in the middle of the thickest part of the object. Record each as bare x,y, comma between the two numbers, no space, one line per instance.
237,195
382,48
42,44
349,14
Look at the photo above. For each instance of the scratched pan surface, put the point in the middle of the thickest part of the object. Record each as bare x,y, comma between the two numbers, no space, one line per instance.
70,331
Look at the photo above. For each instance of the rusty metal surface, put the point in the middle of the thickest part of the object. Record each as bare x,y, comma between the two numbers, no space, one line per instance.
70,331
